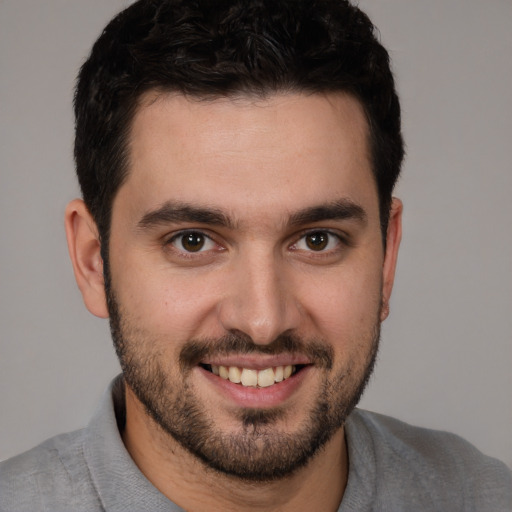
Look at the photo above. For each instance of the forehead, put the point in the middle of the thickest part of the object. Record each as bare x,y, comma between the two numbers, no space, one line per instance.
249,154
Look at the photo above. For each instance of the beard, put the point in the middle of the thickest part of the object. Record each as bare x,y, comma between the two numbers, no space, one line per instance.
257,450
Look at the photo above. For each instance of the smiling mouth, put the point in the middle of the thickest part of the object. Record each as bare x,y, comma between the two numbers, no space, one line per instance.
254,378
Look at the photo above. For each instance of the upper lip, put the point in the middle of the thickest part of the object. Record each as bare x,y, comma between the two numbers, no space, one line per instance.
257,361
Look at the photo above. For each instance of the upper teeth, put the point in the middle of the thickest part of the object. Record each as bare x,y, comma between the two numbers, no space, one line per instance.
248,377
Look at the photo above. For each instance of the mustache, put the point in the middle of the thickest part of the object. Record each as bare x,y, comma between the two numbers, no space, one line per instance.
195,351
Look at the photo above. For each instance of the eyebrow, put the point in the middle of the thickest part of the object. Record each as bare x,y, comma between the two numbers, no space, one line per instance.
342,209
171,212
175,212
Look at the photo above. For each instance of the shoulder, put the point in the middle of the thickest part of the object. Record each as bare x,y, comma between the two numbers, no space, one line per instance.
48,477
438,464
427,446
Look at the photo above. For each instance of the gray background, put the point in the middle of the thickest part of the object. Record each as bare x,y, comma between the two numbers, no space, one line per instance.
446,355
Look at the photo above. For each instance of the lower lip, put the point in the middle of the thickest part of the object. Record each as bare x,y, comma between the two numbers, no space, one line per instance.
246,396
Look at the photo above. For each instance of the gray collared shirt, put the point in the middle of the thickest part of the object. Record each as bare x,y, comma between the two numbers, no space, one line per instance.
393,467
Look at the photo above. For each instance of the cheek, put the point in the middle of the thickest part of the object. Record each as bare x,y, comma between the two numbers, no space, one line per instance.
345,305
164,303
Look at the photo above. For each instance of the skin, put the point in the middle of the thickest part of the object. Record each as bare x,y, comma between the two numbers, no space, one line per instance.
260,163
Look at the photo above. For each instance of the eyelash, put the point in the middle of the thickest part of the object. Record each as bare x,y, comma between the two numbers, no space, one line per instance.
181,235
182,252
338,238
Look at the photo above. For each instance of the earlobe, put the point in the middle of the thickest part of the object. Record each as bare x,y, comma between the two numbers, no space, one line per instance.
393,238
85,253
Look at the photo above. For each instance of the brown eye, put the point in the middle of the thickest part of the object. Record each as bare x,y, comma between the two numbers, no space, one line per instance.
319,244
192,242
317,241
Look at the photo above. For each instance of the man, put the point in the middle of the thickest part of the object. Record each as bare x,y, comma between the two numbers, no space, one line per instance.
237,161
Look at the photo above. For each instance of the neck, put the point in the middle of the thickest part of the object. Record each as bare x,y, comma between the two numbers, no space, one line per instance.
185,480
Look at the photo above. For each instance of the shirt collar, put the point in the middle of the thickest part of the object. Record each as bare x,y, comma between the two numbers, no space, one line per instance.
120,484
361,486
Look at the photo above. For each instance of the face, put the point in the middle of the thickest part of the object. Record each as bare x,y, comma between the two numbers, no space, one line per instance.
247,273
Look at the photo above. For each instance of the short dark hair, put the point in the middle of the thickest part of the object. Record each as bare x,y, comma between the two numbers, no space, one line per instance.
219,48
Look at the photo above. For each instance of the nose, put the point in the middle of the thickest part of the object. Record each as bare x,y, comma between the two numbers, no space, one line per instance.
260,301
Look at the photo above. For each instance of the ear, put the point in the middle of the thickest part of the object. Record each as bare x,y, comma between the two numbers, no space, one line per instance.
84,250
393,237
